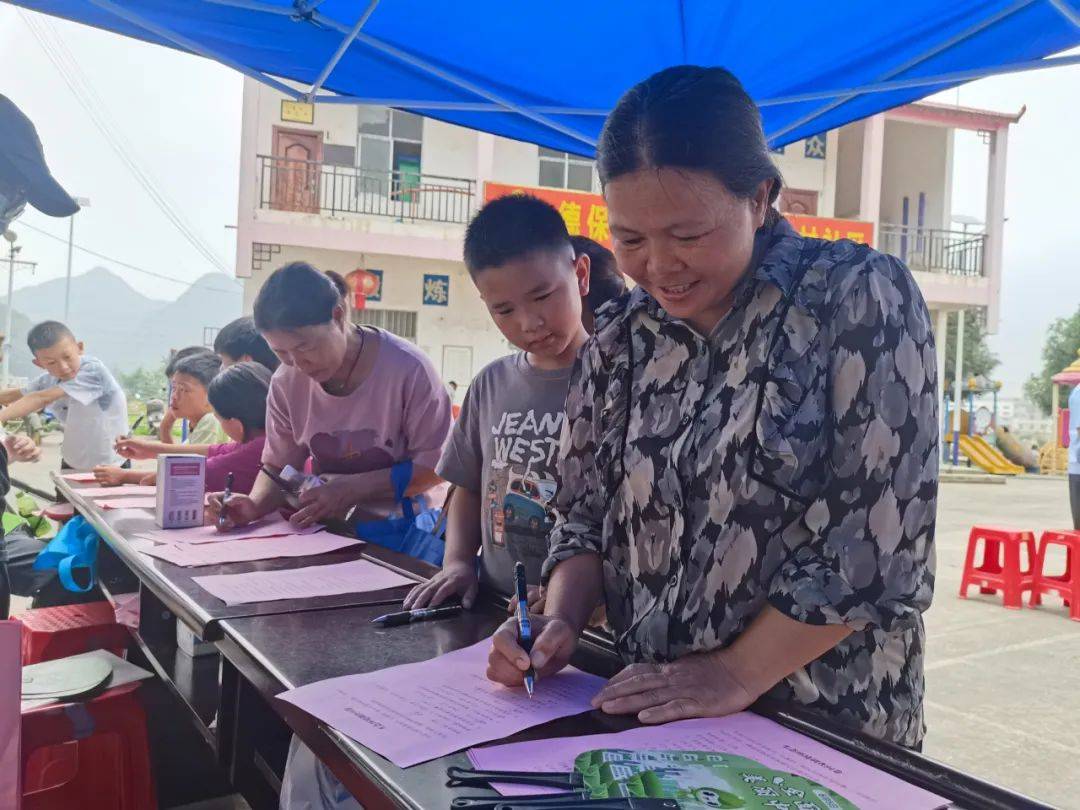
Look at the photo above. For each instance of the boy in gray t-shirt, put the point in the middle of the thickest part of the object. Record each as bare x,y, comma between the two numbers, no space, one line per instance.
503,450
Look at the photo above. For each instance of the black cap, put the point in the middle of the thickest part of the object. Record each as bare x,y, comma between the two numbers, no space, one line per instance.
22,163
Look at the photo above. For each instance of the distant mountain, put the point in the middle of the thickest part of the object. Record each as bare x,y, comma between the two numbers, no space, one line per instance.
120,325
210,303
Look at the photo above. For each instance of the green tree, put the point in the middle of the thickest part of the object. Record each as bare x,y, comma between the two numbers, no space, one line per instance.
978,359
144,384
1059,351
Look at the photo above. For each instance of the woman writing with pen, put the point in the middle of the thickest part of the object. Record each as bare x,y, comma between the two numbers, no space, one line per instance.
353,400
749,463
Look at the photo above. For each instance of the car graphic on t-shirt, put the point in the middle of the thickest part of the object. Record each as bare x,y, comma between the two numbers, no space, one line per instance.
525,504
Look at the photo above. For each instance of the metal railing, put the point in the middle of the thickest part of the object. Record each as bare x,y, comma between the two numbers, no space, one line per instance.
954,252
322,188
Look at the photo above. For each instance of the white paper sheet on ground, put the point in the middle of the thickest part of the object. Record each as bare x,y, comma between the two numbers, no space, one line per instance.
416,712
264,548
357,576
122,672
270,526
745,735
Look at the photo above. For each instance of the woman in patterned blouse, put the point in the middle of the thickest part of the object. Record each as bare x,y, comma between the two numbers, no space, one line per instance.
749,465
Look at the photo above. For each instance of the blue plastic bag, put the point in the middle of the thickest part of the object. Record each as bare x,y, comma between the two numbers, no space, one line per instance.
75,546
418,535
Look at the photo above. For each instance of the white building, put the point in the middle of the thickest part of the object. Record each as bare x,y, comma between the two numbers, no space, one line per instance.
390,192
1024,418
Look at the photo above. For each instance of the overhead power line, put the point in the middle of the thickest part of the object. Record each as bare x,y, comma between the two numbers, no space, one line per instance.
129,266
83,89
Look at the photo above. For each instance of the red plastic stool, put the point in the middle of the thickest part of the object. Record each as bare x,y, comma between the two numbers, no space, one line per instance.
1066,585
1000,567
93,755
58,632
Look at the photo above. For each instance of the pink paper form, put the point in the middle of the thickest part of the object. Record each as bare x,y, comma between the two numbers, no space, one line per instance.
416,712
358,576
80,478
744,734
131,502
267,548
115,492
270,526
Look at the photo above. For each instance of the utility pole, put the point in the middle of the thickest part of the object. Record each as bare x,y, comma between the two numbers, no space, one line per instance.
958,386
13,251
83,202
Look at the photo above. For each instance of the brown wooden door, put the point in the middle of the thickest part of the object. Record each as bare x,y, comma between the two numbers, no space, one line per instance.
297,170
798,201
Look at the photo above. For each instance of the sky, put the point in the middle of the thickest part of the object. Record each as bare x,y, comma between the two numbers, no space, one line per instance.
182,116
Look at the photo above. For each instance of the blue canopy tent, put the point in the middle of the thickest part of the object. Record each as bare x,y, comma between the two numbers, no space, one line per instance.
548,72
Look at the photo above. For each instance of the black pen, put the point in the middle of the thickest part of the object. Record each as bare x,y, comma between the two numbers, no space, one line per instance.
224,499
417,615
525,638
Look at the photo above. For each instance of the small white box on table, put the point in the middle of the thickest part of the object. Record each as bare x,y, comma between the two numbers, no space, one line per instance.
181,494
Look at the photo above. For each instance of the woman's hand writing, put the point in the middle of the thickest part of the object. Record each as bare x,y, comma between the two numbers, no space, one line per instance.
555,641
331,499
455,579
536,600
696,685
240,511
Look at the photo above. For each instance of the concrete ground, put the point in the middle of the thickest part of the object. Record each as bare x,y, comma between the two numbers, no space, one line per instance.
1002,698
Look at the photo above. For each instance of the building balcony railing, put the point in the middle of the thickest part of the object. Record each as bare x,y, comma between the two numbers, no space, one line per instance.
321,188
956,253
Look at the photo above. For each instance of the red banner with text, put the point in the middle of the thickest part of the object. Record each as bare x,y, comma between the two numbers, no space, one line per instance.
584,214
587,215
832,229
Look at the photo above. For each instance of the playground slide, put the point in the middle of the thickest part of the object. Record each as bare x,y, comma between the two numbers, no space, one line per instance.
987,457
1014,451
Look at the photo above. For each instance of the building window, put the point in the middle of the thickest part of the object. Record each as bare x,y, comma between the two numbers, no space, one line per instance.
400,322
339,155
563,170
390,144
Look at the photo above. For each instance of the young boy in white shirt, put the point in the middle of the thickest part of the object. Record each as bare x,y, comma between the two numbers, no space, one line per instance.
79,390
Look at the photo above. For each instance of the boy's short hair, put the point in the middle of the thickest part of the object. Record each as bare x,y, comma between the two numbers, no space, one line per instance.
239,392
606,283
202,366
240,338
47,334
511,227
180,354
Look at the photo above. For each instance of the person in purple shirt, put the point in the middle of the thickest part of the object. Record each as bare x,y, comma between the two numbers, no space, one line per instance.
238,395
354,400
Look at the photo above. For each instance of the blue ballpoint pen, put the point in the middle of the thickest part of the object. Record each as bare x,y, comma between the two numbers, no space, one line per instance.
224,500
525,638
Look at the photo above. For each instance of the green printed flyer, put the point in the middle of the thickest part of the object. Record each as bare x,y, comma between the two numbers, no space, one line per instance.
702,780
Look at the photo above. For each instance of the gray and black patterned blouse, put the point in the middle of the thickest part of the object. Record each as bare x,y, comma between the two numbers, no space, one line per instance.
790,457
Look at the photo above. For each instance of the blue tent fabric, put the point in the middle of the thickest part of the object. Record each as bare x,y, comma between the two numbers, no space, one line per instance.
547,72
